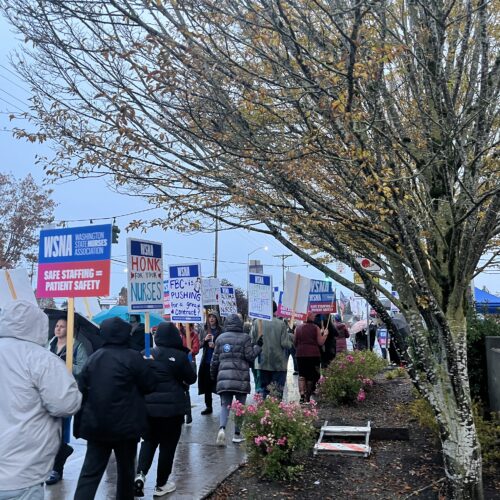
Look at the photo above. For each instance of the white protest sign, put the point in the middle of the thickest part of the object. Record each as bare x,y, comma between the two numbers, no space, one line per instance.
210,290
260,296
186,301
296,293
87,306
227,301
145,276
14,285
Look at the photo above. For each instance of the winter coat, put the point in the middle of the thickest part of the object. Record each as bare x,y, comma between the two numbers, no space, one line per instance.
79,354
36,390
233,355
343,334
173,371
205,382
113,383
276,343
308,340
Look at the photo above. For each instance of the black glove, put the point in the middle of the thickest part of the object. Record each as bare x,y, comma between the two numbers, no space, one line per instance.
260,342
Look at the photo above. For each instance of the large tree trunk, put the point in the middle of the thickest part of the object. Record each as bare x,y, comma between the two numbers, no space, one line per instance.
446,388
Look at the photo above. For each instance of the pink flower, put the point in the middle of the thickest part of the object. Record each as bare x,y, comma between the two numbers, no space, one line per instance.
350,358
361,395
260,439
281,441
321,380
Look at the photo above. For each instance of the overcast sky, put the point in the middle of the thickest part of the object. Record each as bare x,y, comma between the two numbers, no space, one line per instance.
84,200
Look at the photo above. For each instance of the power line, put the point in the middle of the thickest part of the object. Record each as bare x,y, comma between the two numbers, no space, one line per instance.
106,218
13,105
13,96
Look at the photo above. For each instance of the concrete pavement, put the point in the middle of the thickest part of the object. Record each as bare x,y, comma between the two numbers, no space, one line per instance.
199,465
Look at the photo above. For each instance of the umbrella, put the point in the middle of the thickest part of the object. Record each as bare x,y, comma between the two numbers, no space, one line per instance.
123,313
358,326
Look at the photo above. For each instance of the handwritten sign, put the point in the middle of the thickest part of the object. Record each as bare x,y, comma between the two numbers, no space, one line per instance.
260,296
210,290
74,262
227,301
145,275
185,293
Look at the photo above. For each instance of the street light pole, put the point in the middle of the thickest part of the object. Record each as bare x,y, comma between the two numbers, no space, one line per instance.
250,253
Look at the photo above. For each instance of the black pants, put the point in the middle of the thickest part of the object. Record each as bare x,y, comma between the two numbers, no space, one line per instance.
164,432
208,399
96,460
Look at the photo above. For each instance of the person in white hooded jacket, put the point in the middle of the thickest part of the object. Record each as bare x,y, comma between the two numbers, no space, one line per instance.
36,392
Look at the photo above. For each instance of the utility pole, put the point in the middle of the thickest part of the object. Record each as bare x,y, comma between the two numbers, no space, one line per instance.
283,257
216,241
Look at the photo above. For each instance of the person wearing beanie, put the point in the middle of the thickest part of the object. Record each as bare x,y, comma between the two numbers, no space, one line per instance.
166,407
113,416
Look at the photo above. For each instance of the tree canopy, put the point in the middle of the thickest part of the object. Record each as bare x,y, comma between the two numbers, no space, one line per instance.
340,127
25,207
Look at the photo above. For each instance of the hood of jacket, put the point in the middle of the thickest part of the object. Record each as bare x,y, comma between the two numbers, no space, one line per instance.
168,335
233,323
24,320
116,331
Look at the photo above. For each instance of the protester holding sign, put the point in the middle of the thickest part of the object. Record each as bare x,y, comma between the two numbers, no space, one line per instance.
36,392
57,345
165,406
308,340
208,337
113,416
273,360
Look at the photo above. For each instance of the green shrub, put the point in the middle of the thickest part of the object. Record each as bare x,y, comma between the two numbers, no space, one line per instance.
348,376
477,330
488,430
275,432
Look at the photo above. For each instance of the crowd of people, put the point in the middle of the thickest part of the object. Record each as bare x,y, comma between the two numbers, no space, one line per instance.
121,397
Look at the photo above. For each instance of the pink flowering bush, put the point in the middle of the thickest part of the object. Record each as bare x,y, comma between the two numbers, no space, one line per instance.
275,433
349,376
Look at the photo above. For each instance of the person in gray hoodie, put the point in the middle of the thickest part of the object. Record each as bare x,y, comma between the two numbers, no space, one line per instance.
230,367
36,392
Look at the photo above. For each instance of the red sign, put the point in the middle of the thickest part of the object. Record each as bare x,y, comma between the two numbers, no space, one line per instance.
74,279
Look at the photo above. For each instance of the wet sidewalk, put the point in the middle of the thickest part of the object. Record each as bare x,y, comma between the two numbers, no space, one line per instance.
199,464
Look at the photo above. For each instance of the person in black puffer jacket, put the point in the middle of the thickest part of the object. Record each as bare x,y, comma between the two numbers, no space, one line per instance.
230,366
166,408
113,416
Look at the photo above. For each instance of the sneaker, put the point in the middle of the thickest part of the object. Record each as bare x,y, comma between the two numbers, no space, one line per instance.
139,481
221,437
238,438
54,477
189,419
207,411
168,487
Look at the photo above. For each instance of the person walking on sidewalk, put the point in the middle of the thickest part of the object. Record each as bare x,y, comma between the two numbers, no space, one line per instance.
36,393
206,385
165,407
308,340
113,416
57,345
273,360
342,334
230,367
